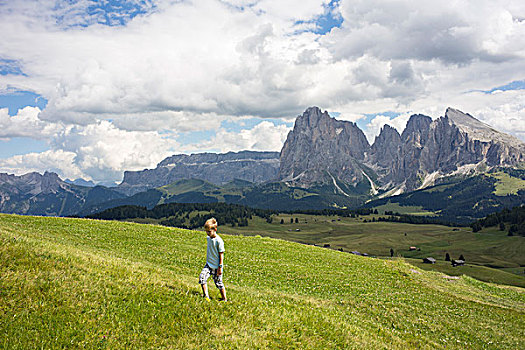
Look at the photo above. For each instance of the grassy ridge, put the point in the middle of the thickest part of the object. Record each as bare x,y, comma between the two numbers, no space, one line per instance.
84,283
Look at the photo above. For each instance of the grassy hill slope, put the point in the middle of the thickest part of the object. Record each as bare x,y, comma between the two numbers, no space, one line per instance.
84,283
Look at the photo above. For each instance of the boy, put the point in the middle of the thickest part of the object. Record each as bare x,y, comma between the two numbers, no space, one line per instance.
214,260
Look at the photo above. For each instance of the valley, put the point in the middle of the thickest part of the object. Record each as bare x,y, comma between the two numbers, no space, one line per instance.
490,248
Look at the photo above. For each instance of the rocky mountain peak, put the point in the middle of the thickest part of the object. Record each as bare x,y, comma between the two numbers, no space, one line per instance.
388,134
477,130
312,116
460,118
51,176
211,158
312,119
386,147
320,148
418,124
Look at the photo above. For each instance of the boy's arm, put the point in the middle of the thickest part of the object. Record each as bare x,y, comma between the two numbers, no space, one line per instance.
221,260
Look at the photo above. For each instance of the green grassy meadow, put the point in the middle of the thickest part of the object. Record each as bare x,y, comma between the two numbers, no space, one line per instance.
76,283
404,209
487,248
491,255
507,184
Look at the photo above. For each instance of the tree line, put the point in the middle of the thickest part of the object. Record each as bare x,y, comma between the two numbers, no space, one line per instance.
511,220
334,212
416,220
179,214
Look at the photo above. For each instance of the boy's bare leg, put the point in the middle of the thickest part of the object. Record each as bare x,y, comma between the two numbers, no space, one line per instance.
223,294
205,291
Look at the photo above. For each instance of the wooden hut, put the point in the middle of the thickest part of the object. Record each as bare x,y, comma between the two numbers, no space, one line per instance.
429,260
458,263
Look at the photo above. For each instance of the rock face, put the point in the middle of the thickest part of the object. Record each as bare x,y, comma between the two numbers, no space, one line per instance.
455,143
212,167
385,151
404,166
321,149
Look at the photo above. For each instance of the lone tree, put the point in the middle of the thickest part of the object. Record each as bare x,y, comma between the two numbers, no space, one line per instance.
447,257
391,252
476,227
282,221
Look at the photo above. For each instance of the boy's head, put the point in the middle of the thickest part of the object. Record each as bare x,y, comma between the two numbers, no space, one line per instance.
211,227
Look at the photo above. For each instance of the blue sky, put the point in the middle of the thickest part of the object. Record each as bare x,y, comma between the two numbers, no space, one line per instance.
14,101
94,88
515,85
324,23
107,12
10,67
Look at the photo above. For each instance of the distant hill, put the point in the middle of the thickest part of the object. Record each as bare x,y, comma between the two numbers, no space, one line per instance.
276,196
462,198
47,194
80,182
511,221
185,215
458,199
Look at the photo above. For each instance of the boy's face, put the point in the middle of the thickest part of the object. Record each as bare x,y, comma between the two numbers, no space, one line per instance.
211,232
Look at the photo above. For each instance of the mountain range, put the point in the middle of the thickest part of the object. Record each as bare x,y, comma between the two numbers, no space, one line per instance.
47,194
323,163
321,149
256,167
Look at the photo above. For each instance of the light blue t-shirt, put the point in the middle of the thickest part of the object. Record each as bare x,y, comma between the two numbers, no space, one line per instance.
215,246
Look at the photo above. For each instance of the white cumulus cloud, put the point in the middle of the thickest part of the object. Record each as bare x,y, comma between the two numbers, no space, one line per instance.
103,151
58,161
26,123
265,136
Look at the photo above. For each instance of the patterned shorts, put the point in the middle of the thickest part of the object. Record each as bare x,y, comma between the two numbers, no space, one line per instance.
205,274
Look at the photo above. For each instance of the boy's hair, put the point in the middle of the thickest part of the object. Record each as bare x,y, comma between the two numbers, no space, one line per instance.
211,224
